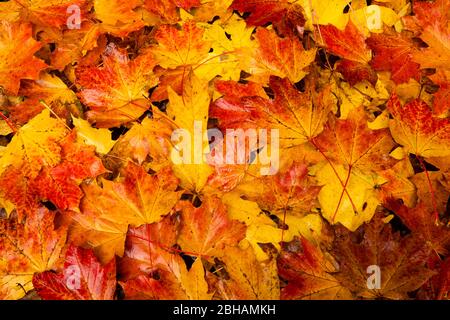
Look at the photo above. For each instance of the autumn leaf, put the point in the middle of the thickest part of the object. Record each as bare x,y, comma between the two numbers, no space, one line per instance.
438,286
94,282
231,48
164,286
440,102
431,190
435,34
116,92
82,45
352,143
403,261
347,196
118,17
152,269
394,52
148,138
399,185
309,274
289,192
56,181
180,47
99,138
326,12
138,197
221,231
35,144
281,57
249,278
28,247
44,13
47,90
149,248
60,184
188,112
419,219
350,45
418,130
17,38
286,16
298,116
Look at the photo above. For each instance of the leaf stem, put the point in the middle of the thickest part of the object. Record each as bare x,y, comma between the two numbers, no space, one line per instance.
8,122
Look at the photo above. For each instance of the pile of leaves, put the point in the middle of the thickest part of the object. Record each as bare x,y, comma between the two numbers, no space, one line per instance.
94,208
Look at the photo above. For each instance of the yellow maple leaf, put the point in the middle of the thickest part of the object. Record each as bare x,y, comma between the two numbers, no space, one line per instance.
100,138
354,205
325,12
189,112
35,145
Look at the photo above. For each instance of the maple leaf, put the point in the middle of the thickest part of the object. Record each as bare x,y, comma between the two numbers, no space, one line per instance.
44,13
137,197
47,90
435,33
81,45
286,16
431,191
95,232
438,287
151,267
17,49
28,247
64,164
262,230
394,52
249,278
289,192
118,17
207,230
309,273
325,12
420,221
298,116
402,262
282,57
232,169
398,185
186,112
350,45
180,47
93,282
231,48
149,248
116,92
35,144
166,10
235,90
418,130
148,138
352,143
164,286
441,105
100,138
60,184
348,197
